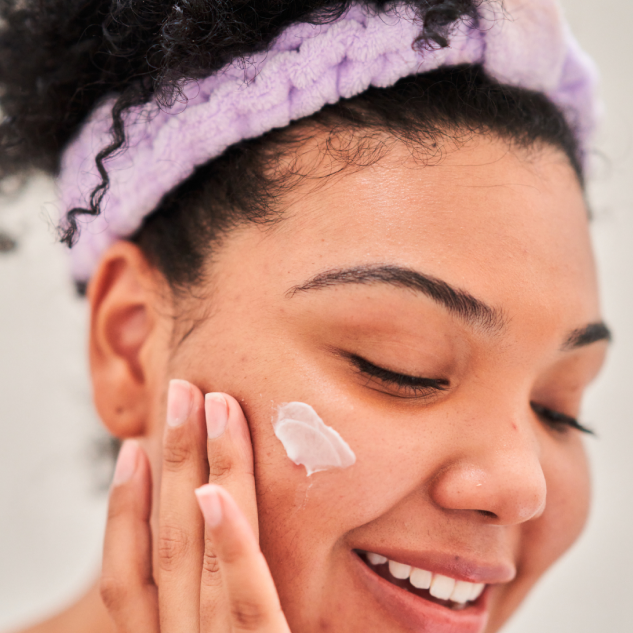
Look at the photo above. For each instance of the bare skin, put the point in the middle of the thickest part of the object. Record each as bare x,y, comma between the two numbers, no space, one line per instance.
88,613
469,477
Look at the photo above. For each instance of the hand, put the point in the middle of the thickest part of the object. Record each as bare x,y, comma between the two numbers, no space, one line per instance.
208,575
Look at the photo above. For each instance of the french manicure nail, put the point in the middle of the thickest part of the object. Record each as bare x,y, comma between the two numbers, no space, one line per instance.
216,410
126,462
179,401
210,504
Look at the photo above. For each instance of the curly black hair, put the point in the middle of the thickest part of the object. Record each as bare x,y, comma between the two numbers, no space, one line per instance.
60,58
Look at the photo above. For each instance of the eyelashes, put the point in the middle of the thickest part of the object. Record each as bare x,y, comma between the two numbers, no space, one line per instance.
557,420
419,387
416,385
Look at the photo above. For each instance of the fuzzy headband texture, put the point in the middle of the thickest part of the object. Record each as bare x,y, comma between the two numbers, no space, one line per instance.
527,44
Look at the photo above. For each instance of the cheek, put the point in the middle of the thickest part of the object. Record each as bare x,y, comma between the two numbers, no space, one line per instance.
568,499
319,510
307,524
543,541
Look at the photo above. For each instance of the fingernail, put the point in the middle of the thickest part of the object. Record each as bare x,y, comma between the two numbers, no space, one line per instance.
216,409
210,504
126,462
179,401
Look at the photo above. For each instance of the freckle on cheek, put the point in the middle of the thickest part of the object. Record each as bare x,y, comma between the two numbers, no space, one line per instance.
309,441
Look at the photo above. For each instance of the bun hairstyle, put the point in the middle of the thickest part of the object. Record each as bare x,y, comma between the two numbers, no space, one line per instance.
59,59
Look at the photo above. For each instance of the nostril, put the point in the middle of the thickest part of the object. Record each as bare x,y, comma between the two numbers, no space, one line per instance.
488,514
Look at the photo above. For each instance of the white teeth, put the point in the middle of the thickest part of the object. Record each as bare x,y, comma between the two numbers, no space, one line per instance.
442,587
462,592
398,570
420,578
476,591
376,559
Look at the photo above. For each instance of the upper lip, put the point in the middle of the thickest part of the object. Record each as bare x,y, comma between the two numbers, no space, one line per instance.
454,565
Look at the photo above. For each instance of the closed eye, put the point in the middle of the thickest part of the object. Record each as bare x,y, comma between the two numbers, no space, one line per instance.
420,387
404,384
557,420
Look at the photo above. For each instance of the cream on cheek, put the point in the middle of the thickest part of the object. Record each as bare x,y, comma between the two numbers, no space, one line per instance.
309,441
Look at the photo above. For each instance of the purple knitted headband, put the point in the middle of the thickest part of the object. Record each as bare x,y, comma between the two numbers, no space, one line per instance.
528,44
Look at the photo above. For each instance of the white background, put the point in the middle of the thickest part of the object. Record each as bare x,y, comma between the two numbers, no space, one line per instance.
52,508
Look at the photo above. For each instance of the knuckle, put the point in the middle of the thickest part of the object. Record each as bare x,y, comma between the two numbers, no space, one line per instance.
173,545
175,455
113,592
220,467
210,569
247,615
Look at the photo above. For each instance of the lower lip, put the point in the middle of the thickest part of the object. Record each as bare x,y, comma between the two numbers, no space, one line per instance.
421,615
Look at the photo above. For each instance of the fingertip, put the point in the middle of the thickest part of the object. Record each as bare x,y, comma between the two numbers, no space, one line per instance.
132,479
216,409
234,407
179,401
184,414
219,507
127,462
208,497
238,424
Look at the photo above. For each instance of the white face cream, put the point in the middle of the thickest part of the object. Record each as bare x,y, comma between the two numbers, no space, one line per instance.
308,441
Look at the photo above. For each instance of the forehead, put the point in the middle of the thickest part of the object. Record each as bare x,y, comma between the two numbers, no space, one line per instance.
486,217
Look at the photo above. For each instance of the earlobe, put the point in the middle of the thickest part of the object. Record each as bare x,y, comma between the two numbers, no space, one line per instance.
123,325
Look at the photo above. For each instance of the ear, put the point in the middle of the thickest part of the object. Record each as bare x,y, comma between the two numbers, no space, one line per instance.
125,338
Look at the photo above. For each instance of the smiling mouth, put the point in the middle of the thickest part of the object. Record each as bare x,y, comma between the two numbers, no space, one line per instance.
443,590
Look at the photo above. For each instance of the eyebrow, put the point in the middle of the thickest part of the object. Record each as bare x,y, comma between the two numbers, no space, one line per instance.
458,302
587,335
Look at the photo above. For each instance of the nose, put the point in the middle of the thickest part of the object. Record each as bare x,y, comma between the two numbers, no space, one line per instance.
495,473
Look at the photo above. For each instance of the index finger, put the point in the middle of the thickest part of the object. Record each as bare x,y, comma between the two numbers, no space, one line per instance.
230,453
230,458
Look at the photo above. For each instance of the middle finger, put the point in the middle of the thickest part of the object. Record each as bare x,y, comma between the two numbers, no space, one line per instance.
181,530
230,456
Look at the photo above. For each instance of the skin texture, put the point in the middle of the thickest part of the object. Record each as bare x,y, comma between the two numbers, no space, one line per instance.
469,473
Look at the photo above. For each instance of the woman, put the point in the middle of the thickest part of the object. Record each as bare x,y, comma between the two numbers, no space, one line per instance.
360,230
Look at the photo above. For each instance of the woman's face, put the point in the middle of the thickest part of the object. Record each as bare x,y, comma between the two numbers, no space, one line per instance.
476,273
